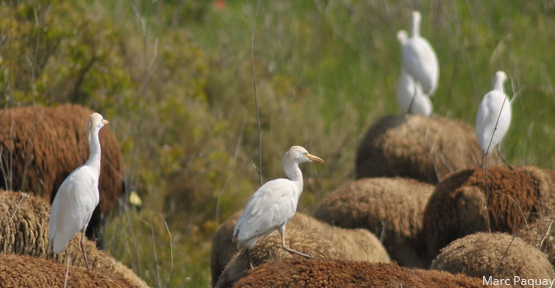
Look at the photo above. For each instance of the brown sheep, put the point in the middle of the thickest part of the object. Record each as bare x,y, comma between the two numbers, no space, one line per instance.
541,234
356,244
24,271
316,273
41,146
269,248
370,203
516,198
418,147
24,231
498,255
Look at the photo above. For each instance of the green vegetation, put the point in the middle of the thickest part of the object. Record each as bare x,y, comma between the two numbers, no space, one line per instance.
175,80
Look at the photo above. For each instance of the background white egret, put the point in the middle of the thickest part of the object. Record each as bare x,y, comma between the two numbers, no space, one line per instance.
78,195
419,59
273,204
410,97
494,116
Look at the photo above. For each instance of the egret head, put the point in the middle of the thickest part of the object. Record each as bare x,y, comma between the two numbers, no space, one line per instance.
416,16
96,122
300,155
402,36
499,79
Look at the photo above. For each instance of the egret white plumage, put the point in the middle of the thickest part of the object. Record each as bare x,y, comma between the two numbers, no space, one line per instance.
419,59
494,116
410,97
273,204
78,195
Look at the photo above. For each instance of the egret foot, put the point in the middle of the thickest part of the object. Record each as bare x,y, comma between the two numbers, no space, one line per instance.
281,231
297,252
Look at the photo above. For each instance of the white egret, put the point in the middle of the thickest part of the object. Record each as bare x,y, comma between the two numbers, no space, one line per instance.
494,116
419,59
410,97
273,204
77,196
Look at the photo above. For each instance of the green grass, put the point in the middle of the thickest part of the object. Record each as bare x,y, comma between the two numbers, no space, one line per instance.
325,70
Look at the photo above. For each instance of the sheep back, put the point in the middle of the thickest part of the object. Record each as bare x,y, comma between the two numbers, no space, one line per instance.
355,244
494,254
24,271
41,146
455,209
418,147
317,273
269,248
24,222
398,202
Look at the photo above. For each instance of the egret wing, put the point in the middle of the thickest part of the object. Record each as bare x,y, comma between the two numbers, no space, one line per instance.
270,207
72,207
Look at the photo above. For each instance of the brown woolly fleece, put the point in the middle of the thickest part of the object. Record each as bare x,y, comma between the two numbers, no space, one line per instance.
541,234
418,147
370,203
24,231
494,254
269,248
316,274
41,146
515,197
18,271
355,244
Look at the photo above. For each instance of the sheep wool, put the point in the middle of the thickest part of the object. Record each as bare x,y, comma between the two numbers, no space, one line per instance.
317,273
541,234
372,203
18,271
42,146
456,208
499,255
418,147
24,222
269,248
355,244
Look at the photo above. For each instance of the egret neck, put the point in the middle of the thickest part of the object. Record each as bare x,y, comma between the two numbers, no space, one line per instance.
415,24
293,172
498,85
94,144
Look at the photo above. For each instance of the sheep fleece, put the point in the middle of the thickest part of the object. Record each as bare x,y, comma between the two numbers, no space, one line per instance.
316,273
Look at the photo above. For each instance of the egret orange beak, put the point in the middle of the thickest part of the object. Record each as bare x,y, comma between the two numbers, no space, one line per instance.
314,158
104,121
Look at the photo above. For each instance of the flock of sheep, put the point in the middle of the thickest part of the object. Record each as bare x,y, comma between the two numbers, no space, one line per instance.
422,212
426,210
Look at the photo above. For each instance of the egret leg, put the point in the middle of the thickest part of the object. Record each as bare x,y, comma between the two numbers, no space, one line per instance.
281,231
83,248
249,257
412,100
504,160
67,270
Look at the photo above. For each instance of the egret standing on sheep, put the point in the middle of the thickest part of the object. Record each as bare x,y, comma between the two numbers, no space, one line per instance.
273,204
77,196
410,97
494,117
419,59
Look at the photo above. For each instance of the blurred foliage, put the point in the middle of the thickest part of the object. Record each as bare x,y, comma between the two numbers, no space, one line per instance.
175,79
